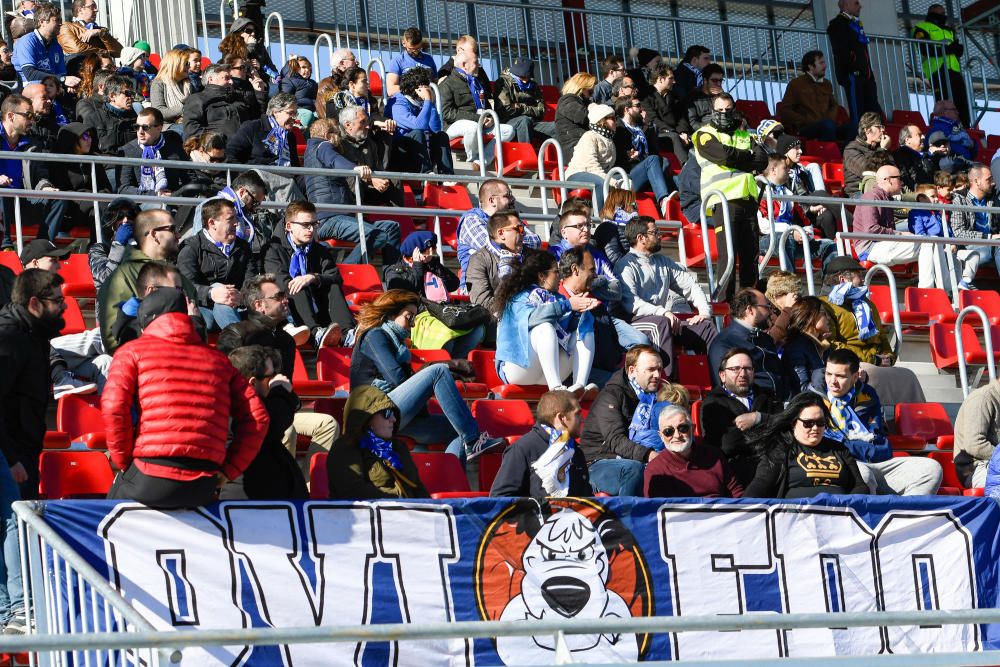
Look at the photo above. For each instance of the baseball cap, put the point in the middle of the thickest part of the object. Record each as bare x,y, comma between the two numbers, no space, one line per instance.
42,248
937,137
838,264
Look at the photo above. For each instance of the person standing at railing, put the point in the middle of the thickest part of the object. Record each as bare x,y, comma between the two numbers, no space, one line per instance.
851,60
37,54
969,225
729,157
809,106
945,71
412,56
689,72
518,102
463,99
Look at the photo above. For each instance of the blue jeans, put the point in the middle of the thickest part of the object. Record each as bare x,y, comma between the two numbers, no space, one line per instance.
11,589
218,317
617,477
412,396
460,347
53,209
429,150
628,335
824,249
651,172
380,234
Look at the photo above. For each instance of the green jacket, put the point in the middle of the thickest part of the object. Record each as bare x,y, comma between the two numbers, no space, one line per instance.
844,328
120,287
357,474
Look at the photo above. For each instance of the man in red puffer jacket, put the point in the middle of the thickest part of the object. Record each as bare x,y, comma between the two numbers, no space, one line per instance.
186,394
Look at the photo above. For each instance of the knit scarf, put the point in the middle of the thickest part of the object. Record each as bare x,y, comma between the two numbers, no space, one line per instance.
539,296
639,142
643,415
698,78
276,142
297,266
244,227
381,448
476,88
846,425
859,306
152,178
784,207
226,248
115,111
603,131
397,338
521,85
552,467
506,258
857,26
363,103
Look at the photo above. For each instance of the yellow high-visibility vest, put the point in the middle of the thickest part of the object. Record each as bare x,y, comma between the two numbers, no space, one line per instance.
938,34
731,182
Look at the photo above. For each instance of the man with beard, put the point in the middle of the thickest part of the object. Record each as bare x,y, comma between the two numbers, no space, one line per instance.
732,408
751,312
369,148
156,241
27,324
635,151
45,128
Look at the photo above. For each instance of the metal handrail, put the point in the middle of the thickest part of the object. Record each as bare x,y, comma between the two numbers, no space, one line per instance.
772,235
806,253
916,238
728,240
953,276
970,89
626,182
437,96
222,20
381,65
893,299
481,141
329,44
963,372
281,35
560,172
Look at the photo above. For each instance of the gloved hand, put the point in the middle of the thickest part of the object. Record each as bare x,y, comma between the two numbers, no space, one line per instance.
124,233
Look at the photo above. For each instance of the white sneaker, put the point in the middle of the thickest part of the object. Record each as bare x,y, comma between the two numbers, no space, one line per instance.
299,334
71,385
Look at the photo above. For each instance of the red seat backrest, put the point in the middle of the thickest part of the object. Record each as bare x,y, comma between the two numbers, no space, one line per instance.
451,197
483,362
931,300
319,482
441,472
360,278
926,421
77,415
333,364
694,369
503,418
74,475
73,318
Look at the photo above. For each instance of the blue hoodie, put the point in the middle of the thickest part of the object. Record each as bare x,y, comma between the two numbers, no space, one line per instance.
409,116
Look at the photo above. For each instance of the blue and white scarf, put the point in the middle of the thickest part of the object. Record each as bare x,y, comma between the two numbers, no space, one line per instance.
277,143
523,86
226,248
59,114
857,26
507,259
784,207
639,142
643,416
297,265
397,337
244,227
552,467
539,296
363,103
845,423
381,448
151,177
699,79
844,292
476,88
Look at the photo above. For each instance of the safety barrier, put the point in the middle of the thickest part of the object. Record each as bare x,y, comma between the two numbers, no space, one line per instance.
894,300
437,96
789,265
978,110
560,172
329,44
381,66
963,372
481,140
717,290
281,35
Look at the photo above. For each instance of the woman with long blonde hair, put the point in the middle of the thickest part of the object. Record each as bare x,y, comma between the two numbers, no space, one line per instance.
171,86
382,359
571,111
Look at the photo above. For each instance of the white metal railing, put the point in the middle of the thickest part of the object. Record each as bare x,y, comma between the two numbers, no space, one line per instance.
806,254
329,44
560,173
481,142
281,35
893,299
963,372
716,290
381,67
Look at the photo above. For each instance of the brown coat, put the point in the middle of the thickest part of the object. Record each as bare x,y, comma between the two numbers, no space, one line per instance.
807,101
71,40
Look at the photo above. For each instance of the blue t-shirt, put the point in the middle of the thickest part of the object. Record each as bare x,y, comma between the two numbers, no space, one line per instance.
31,51
403,62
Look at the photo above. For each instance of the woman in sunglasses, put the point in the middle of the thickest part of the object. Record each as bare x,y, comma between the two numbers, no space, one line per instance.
367,462
683,469
797,460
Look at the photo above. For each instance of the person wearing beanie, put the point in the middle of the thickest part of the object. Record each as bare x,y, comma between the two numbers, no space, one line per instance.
646,61
83,35
807,180
518,101
133,64
595,153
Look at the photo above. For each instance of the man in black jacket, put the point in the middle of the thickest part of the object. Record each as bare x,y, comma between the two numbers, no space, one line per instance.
616,462
217,108
664,111
152,143
733,407
915,167
546,461
851,61
113,121
307,273
461,107
689,72
268,140
215,261
45,128
369,147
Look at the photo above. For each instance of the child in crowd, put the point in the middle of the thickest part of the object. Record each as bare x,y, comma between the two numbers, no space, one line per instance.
929,223
944,183
961,181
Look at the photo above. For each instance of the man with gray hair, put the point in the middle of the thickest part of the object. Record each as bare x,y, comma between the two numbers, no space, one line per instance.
371,147
269,141
217,108
915,166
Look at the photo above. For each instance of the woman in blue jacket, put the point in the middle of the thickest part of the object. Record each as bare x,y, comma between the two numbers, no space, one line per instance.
542,336
808,341
419,139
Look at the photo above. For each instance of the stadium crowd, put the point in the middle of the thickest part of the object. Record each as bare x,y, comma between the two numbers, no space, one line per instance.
598,316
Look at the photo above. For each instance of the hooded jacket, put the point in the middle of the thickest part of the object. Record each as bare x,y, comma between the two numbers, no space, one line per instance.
24,384
187,393
305,90
357,474
76,176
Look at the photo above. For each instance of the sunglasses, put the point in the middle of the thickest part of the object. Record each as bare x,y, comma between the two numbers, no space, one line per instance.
683,429
277,296
388,413
518,228
810,424
144,128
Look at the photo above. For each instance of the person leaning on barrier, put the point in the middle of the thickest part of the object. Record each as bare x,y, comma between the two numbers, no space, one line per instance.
547,461
809,106
152,143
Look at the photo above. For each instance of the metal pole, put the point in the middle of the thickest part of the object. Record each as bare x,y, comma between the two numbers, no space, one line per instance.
281,34
329,44
727,239
361,219
560,169
480,141
381,66
98,232
963,372
768,194
806,253
893,299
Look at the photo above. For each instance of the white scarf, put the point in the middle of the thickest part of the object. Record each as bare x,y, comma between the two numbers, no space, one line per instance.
552,467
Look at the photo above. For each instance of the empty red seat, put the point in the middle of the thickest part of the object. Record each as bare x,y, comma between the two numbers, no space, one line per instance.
451,197
504,419
833,176
484,363
947,461
694,247
646,204
693,370
306,386
75,270
906,443
926,421
333,364
754,111
74,475
73,318
826,151
988,300
883,303
931,300
441,473
519,159
900,117
80,417
319,481
944,351
361,283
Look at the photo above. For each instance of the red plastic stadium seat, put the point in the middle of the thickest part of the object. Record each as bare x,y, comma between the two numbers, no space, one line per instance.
550,93
988,300
441,473
331,406
645,202
75,270
468,390
80,417
451,197
154,60
978,491
883,302
826,151
483,361
906,443
361,284
73,318
926,421
944,352
931,300
11,261
693,370
909,118
333,365
374,83
992,145
319,482
833,177
893,129
300,141
947,461
519,159
74,475
754,111
946,443
674,212
304,385
694,247
489,466
504,419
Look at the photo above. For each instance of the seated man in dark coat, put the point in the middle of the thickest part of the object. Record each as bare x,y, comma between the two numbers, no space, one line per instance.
152,143
369,147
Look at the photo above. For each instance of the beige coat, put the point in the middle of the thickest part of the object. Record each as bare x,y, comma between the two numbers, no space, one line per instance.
594,154
71,32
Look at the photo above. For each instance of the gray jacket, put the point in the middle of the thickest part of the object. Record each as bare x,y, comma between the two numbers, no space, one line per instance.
963,223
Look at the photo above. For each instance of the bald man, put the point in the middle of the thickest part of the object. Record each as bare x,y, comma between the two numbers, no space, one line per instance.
875,219
45,128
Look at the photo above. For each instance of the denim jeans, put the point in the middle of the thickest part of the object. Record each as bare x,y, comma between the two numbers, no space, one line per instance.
218,317
460,347
651,172
824,249
53,210
430,150
379,235
11,589
628,335
594,183
412,396
617,477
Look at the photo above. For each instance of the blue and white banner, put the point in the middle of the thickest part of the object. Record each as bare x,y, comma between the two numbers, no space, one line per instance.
284,564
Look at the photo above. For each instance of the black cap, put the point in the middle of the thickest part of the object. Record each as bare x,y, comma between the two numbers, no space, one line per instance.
160,302
42,248
522,68
645,56
845,263
787,142
937,137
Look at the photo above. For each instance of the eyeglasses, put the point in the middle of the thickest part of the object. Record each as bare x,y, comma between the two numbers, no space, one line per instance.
892,178
810,424
683,429
277,296
306,225
127,94
250,30
61,300
740,369
145,128
585,225
29,115
217,159
177,288
85,135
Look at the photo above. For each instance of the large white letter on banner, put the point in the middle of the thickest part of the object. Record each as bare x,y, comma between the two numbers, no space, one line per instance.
268,538
708,550
826,557
181,558
926,563
420,541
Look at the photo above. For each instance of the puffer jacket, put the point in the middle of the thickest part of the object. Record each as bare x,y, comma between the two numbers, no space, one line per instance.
305,90
321,154
357,474
216,108
186,393
571,121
